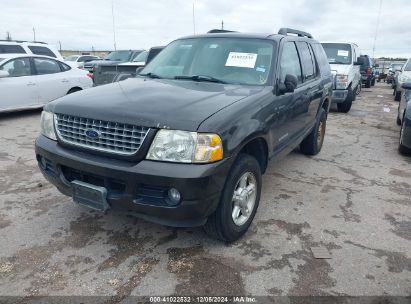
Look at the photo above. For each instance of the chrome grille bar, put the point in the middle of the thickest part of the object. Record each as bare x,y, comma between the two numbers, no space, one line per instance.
113,137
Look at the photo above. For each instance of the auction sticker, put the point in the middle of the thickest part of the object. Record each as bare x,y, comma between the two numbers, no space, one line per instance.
242,60
342,53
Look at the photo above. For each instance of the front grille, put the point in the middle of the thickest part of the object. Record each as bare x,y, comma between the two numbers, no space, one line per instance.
113,137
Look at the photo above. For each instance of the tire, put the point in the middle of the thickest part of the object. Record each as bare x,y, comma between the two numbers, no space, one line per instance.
373,82
358,89
312,144
346,105
397,96
73,90
398,117
368,83
401,148
221,224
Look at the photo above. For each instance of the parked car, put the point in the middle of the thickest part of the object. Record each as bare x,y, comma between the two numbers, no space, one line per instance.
27,47
392,72
79,60
104,74
367,70
113,58
31,81
347,77
403,76
404,119
185,143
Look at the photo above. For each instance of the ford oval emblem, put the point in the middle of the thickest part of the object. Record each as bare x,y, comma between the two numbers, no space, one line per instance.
92,133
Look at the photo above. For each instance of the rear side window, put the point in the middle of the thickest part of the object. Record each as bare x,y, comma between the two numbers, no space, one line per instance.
64,67
307,61
290,62
46,66
322,59
41,50
11,49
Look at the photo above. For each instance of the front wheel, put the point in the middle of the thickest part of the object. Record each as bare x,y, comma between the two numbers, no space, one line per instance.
397,96
312,144
401,148
239,201
345,107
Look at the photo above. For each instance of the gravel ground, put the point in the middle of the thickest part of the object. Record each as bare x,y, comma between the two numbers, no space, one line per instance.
353,199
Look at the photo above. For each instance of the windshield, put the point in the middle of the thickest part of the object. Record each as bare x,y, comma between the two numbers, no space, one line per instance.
338,53
1,59
119,56
228,60
141,57
408,66
397,66
71,58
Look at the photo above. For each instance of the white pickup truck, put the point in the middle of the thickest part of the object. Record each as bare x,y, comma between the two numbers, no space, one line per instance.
346,70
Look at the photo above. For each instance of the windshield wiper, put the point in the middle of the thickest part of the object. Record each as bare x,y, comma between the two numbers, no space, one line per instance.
200,78
151,75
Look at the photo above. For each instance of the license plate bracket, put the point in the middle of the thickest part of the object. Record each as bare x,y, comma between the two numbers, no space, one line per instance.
90,196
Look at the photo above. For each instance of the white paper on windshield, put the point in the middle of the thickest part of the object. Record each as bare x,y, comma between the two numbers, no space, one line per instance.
342,53
242,60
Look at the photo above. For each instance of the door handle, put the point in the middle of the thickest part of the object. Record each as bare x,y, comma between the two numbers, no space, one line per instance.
64,80
31,84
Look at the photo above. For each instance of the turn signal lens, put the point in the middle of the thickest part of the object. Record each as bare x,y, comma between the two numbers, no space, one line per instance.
209,148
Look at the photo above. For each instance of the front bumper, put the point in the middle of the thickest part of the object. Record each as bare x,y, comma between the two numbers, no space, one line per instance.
138,188
339,96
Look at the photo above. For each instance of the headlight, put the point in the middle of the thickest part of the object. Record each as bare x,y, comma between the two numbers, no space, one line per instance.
341,81
404,78
185,147
47,125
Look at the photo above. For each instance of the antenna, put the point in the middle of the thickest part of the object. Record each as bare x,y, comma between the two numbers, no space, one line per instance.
376,30
114,26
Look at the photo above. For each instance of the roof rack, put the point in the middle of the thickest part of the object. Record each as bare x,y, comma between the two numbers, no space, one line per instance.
286,31
20,41
215,31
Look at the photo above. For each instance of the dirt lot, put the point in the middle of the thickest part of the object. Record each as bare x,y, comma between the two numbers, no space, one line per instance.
352,199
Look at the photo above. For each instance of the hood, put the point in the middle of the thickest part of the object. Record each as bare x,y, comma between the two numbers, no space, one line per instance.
157,103
340,68
101,61
134,63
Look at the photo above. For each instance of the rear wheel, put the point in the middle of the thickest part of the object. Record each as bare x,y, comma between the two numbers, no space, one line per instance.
239,201
373,82
312,144
398,117
397,96
368,83
346,105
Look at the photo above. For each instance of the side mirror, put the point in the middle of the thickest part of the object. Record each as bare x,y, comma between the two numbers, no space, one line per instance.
289,85
358,63
376,65
4,74
406,85
138,70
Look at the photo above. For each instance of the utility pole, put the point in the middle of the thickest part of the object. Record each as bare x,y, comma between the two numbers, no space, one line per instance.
194,20
8,36
60,45
376,30
34,34
222,24
114,26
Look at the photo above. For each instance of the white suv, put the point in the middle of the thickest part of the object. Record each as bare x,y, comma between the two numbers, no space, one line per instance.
345,68
31,48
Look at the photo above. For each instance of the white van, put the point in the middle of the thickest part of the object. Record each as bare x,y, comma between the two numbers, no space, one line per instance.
346,70
31,48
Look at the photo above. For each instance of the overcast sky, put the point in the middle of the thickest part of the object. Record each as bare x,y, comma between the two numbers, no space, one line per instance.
81,24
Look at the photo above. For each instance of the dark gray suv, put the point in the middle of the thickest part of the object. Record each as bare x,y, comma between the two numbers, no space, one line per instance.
185,143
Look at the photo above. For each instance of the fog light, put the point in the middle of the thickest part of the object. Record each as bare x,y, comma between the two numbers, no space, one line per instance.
174,196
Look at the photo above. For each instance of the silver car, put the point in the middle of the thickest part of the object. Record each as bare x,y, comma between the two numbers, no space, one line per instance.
403,76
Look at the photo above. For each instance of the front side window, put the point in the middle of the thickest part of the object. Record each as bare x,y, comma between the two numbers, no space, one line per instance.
46,66
119,56
407,66
290,62
41,50
17,67
228,60
338,53
142,57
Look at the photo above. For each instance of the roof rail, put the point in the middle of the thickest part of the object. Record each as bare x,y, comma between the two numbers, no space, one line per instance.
20,41
286,31
215,31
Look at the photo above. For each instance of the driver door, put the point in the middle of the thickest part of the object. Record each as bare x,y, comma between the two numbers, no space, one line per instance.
18,90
